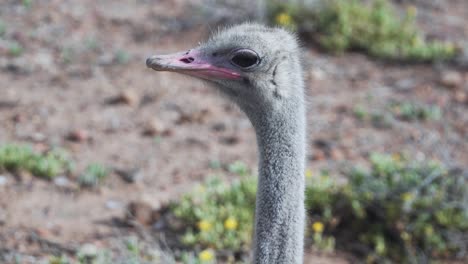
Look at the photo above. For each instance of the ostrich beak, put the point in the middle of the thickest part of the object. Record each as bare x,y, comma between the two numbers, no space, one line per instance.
190,63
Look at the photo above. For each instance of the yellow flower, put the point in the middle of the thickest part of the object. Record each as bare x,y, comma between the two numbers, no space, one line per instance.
407,196
396,157
318,227
206,255
230,223
308,173
283,19
200,189
429,230
411,10
405,236
204,225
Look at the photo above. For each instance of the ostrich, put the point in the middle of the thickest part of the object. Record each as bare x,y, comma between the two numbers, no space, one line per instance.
259,69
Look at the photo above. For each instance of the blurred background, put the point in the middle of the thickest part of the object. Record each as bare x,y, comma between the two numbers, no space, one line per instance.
105,161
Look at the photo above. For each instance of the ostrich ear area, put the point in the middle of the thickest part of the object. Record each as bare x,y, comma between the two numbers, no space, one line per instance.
191,63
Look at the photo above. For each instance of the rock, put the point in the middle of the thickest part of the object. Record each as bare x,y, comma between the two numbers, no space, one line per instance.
141,212
62,181
230,140
106,59
128,97
405,85
45,61
318,74
3,216
219,127
88,251
17,65
37,137
3,180
130,175
451,79
461,97
78,135
318,155
153,128
112,204
337,154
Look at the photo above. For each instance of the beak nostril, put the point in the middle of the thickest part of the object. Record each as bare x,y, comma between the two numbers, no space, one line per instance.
187,60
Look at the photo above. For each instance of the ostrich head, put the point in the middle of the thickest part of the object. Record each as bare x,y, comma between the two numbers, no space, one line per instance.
258,68
255,66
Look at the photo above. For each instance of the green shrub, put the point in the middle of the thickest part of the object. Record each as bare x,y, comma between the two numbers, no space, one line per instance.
93,175
413,111
375,28
218,215
48,165
398,210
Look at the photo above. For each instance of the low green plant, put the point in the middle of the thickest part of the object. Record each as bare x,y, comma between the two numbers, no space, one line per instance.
14,157
94,174
218,215
396,210
360,112
92,43
2,28
27,3
59,260
375,28
15,49
122,56
413,111
399,210
238,167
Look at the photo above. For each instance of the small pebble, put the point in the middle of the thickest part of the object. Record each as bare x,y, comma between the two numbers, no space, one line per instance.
112,204
128,97
88,251
130,175
141,212
61,181
78,135
153,128
451,79
3,180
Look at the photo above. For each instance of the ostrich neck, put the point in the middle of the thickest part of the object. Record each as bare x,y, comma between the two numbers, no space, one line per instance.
279,216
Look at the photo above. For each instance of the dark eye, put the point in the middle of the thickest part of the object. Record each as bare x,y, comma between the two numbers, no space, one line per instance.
245,58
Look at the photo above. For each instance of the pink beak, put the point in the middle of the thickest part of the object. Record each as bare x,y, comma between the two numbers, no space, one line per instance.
190,63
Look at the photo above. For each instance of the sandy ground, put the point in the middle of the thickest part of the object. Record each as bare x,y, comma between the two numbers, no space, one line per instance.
78,57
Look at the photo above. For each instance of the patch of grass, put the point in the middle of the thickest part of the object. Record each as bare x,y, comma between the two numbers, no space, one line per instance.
122,57
238,167
15,49
92,43
66,55
27,3
47,165
93,175
3,28
413,111
360,112
375,28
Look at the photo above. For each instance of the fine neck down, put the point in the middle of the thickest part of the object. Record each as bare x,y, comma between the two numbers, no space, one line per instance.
279,216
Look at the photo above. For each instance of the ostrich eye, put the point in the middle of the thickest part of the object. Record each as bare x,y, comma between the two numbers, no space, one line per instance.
245,58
